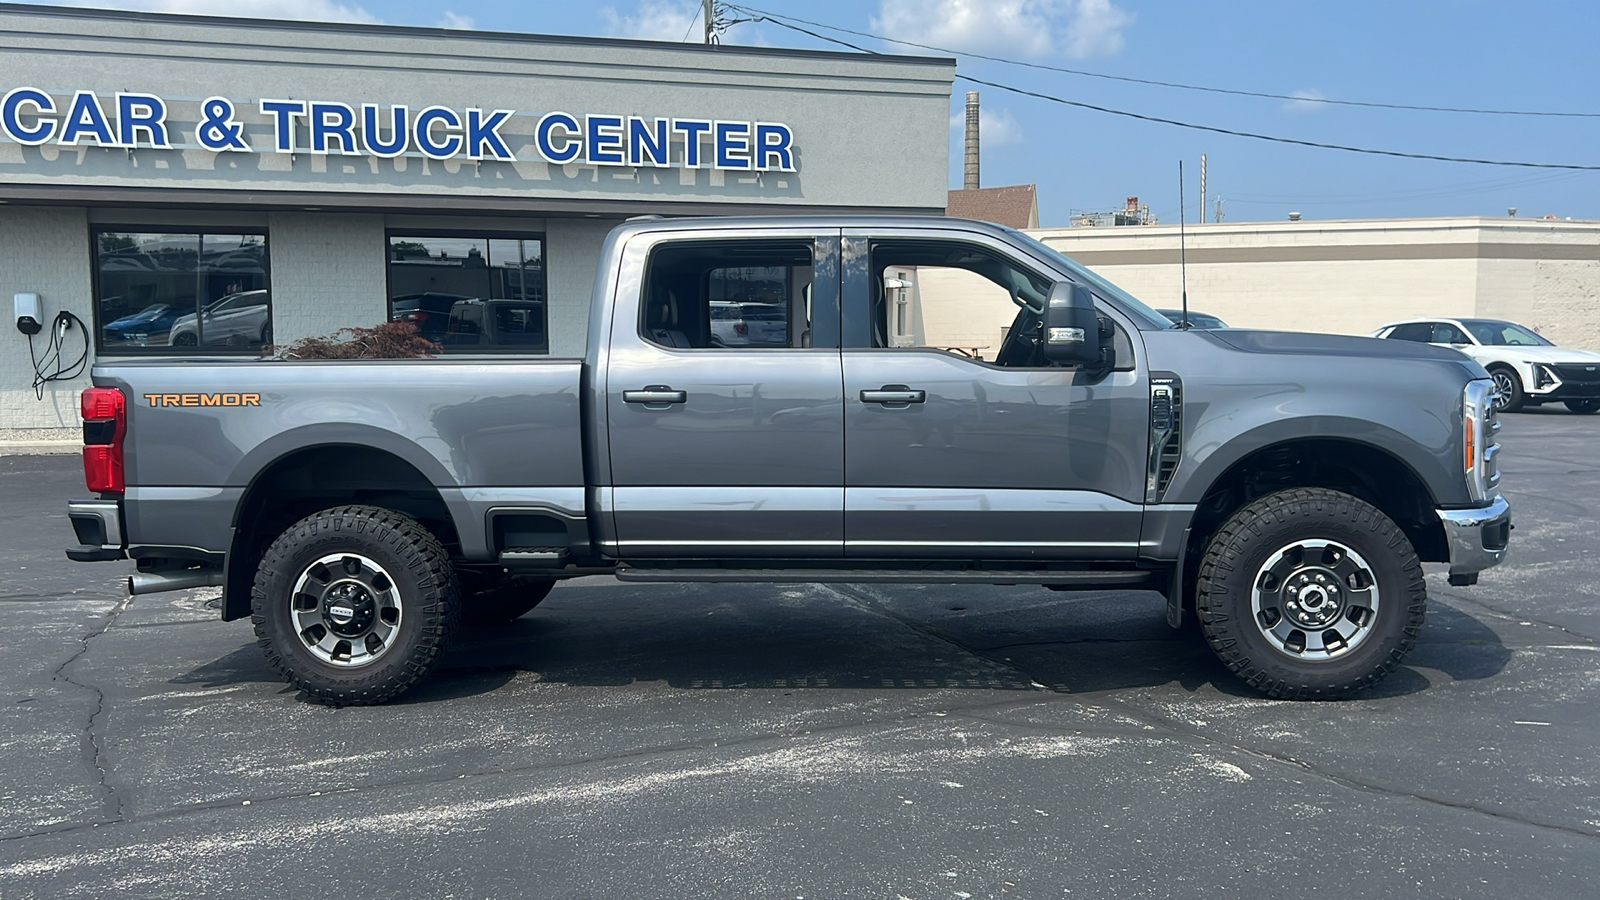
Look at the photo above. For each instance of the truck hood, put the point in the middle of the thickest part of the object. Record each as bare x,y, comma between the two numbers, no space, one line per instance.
1307,343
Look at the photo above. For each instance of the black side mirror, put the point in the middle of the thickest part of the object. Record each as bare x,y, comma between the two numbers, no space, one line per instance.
1071,328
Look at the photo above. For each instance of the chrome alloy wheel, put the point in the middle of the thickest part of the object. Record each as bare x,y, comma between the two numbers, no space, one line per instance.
1504,387
1315,599
345,609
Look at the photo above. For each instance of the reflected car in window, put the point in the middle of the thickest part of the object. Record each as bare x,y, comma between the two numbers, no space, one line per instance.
149,327
236,320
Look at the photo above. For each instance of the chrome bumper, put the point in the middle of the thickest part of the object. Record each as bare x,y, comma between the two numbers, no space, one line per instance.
98,527
1477,538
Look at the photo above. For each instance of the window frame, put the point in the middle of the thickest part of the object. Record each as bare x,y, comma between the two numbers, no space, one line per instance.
485,235
200,233
817,310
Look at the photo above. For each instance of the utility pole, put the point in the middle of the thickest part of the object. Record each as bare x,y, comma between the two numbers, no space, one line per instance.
1202,216
709,13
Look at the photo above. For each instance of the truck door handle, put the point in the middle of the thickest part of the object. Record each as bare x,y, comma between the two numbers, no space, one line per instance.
655,393
892,394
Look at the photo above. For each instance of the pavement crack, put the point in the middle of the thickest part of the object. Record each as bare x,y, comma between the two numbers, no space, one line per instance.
94,753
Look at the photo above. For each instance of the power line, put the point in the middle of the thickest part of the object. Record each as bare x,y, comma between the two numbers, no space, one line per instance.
1214,129
773,17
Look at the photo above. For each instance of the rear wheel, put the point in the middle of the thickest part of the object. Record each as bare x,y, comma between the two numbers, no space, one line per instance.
353,605
1508,395
1310,594
1584,407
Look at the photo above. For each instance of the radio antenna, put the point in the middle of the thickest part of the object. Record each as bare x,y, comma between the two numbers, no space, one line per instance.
1183,262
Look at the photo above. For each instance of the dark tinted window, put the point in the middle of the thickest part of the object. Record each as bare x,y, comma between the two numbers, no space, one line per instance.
1445,333
193,292
471,293
1421,332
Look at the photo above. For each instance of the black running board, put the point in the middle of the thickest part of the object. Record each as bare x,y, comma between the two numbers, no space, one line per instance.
1064,580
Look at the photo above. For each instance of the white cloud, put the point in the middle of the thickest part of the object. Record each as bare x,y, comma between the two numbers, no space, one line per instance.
996,127
453,19
1305,101
313,10
1012,28
657,20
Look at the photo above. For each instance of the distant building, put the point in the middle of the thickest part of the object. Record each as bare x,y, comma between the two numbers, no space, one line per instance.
1014,206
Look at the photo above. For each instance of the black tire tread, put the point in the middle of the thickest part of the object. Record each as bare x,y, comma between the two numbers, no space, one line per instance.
438,605
1231,542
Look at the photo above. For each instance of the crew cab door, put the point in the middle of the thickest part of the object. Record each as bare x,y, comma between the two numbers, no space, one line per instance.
961,442
727,440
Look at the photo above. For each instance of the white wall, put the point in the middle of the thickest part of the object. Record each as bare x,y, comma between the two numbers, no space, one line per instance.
328,273
572,254
43,251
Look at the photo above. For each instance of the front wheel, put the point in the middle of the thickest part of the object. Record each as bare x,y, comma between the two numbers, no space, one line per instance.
1310,594
353,605
1508,396
1584,407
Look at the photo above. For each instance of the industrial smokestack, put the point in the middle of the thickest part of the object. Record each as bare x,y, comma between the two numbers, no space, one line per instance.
970,179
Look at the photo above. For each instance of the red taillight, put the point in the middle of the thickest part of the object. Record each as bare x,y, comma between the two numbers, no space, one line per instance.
105,422
740,328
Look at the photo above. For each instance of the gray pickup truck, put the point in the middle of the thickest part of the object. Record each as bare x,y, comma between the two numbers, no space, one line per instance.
1281,489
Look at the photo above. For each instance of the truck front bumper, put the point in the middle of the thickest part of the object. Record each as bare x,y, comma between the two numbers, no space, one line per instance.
1477,538
98,526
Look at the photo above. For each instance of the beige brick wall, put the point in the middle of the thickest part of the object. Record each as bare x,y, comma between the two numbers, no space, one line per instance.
573,253
43,251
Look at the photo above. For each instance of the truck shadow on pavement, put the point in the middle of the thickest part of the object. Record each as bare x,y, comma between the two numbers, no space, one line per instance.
914,640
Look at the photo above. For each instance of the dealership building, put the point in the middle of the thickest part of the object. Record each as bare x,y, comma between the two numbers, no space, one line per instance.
190,185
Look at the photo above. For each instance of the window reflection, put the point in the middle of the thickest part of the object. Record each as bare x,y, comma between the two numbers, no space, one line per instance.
182,290
470,293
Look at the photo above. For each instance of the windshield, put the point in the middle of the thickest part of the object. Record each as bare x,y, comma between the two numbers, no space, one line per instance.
1503,334
1129,302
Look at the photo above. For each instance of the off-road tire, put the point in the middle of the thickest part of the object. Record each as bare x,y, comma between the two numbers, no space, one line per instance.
1508,382
506,601
421,573
1252,536
1583,407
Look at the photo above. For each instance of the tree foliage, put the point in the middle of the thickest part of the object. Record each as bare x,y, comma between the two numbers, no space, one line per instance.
390,340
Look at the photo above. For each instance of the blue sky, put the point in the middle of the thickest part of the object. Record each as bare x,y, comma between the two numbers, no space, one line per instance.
1461,53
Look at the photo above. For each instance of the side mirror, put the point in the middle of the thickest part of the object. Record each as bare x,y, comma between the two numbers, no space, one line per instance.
1071,328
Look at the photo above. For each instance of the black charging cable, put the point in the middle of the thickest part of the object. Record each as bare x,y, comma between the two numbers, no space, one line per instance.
52,366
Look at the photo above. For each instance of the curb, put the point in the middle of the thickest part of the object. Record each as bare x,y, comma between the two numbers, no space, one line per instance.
40,448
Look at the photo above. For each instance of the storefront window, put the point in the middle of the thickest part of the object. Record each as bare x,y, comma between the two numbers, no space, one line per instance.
187,291
471,293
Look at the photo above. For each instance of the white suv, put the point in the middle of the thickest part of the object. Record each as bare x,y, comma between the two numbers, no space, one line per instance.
1528,370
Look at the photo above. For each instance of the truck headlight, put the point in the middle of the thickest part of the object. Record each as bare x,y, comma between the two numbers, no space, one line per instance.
1478,427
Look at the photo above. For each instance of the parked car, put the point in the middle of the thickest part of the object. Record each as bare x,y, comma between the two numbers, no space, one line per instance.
749,324
1196,319
429,312
236,320
147,327
1527,369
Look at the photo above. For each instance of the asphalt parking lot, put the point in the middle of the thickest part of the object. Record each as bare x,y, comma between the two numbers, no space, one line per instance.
798,741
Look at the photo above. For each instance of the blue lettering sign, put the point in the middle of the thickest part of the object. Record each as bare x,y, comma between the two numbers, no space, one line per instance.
450,125
774,147
546,138
142,112
283,113
217,129
333,120
27,101
85,119
649,143
485,132
372,136
605,140
733,145
691,129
